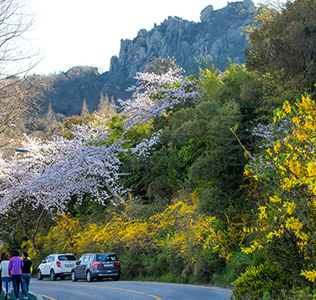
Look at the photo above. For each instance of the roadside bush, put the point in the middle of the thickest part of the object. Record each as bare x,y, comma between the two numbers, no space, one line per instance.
177,265
208,264
237,265
159,266
264,281
131,267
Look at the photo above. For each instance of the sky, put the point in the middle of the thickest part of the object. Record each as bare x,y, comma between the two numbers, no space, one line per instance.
71,33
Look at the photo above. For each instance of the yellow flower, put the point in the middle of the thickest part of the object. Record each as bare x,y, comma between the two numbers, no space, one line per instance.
310,275
287,107
289,206
296,119
270,236
247,250
263,214
269,151
277,147
275,199
311,168
279,144
279,114
246,172
294,224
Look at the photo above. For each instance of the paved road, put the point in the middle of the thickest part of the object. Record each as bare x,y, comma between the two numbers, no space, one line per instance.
125,290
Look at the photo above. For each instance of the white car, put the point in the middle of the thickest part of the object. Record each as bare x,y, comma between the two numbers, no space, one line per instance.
56,265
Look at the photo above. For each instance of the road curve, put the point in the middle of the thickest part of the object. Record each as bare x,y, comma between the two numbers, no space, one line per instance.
122,290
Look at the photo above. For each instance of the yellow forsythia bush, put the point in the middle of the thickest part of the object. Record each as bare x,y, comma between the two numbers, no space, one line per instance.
290,170
178,229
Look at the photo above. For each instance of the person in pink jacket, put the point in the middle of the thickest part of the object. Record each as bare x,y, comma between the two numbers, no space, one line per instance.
15,271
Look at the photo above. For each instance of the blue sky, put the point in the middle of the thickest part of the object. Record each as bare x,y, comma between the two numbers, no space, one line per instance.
80,32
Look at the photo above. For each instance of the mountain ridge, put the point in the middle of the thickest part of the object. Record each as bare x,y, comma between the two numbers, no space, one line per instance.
218,36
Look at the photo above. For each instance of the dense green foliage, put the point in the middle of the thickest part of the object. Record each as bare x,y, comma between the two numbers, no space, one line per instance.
286,41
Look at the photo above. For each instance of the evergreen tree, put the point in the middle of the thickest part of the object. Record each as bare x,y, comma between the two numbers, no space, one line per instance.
51,120
84,109
103,101
105,105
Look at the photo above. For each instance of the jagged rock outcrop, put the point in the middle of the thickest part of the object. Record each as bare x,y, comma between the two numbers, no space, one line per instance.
218,35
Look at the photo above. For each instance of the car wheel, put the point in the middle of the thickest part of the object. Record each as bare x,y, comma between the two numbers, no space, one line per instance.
39,275
52,275
73,276
89,277
116,278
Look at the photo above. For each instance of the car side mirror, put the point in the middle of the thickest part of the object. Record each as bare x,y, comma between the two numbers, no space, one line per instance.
44,261
78,262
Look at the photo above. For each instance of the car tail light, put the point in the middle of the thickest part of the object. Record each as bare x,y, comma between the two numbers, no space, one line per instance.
58,264
117,263
96,264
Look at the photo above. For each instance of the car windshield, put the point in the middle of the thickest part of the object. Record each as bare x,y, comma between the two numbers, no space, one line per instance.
66,257
106,257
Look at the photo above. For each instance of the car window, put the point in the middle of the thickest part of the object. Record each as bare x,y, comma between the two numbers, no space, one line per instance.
89,259
66,257
85,258
106,257
50,258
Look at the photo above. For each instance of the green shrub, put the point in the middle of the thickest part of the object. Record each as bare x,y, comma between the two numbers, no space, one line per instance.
131,267
159,266
307,293
264,281
208,264
177,265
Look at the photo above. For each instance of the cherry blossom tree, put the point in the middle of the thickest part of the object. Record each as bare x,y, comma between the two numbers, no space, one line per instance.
156,93
16,179
89,165
52,171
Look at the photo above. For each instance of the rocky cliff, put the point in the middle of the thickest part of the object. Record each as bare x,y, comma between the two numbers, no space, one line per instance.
217,35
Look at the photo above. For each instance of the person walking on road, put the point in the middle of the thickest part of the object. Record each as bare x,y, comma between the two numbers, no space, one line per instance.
5,278
15,271
1,259
26,273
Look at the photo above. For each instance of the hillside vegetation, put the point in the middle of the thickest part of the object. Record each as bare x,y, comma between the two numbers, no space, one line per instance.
207,178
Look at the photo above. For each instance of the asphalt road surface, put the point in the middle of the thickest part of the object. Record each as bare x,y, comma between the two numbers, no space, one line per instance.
124,290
